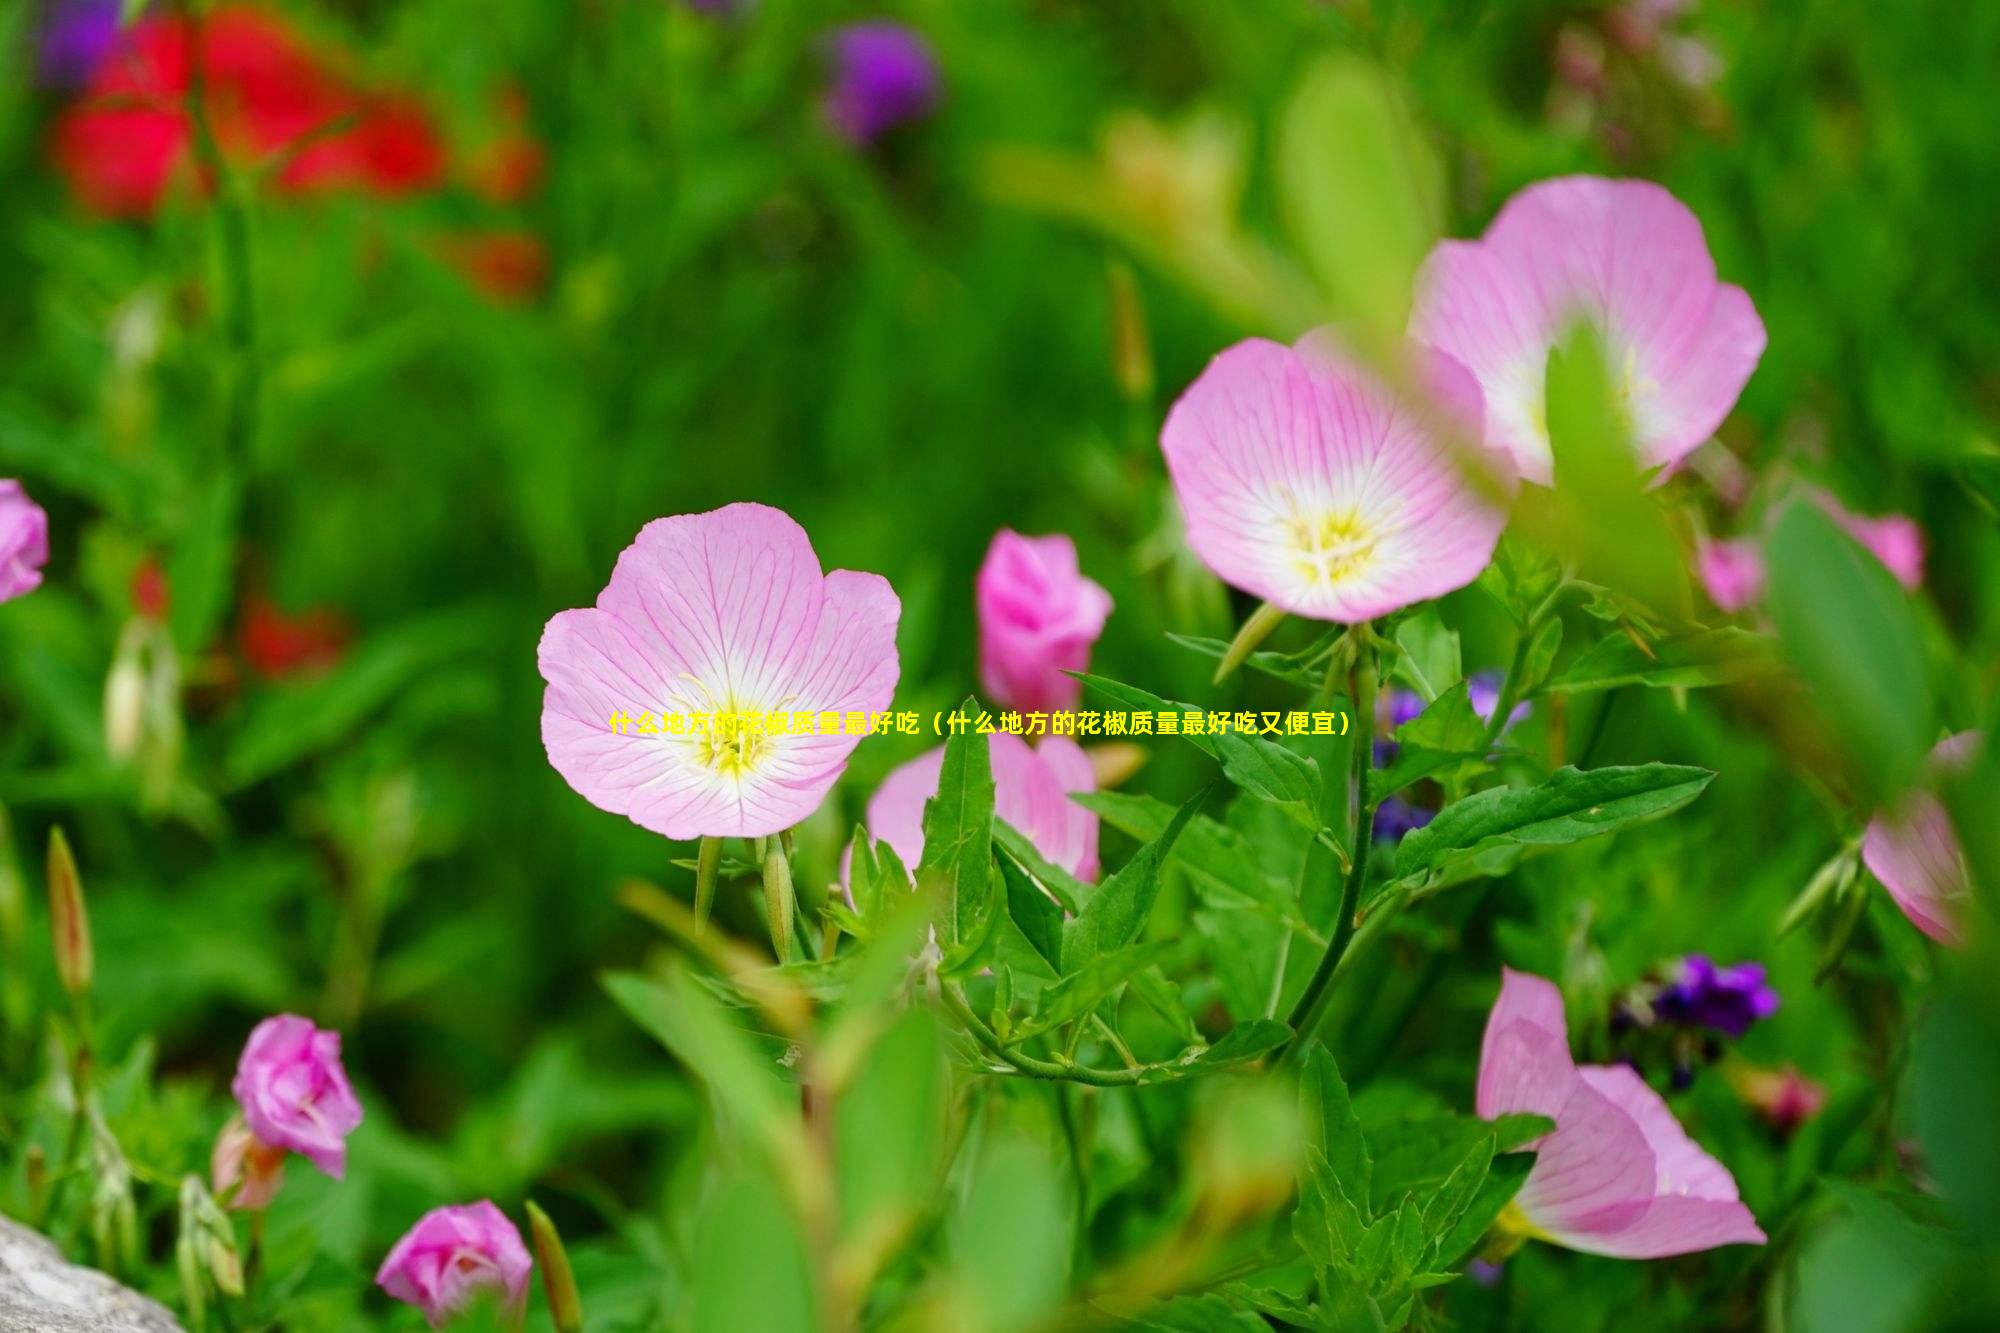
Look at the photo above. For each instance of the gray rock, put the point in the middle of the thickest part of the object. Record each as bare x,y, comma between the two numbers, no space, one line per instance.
41,1293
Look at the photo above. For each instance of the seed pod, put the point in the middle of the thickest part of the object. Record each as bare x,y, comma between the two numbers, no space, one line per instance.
558,1282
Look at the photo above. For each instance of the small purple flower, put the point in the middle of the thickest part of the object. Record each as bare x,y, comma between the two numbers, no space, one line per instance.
1727,999
76,37
1483,689
1484,1273
1396,817
1393,707
884,75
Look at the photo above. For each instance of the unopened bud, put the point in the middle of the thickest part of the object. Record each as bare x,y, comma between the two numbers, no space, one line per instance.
1131,348
558,1282
13,900
778,900
124,707
68,922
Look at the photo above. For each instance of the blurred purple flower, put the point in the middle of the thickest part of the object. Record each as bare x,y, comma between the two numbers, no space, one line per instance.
76,37
1396,816
1727,999
884,75
1393,708
1483,689
1484,1273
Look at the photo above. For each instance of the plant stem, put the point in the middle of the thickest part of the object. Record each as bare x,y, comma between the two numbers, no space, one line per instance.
1311,1007
1512,684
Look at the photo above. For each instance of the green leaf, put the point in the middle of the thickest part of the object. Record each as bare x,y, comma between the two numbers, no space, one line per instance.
1854,638
1272,773
1331,1126
690,1022
1011,1237
1361,191
1444,736
203,565
957,861
1328,1225
1089,985
889,1135
1417,1154
1572,805
1292,668
1692,661
1430,662
1443,1209
754,1270
1117,912
1039,920
1014,846
1504,1176
1132,697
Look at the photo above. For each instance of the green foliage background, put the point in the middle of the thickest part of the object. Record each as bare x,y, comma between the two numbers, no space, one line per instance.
908,348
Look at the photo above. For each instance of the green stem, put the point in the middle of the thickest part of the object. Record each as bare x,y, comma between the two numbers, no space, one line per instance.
1511,685
1311,1007
1020,1062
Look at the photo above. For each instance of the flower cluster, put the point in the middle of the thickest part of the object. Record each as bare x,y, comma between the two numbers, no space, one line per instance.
293,1096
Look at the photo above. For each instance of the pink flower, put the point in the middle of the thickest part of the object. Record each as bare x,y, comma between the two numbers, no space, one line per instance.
1624,255
1305,482
1732,572
724,612
1618,1175
294,1094
1038,617
24,541
1915,853
1031,790
451,1255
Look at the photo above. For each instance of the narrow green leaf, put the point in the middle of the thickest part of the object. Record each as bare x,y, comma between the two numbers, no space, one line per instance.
1135,698
1572,805
1247,1041
1273,773
956,865
1331,1126
1429,663
1117,912
1692,661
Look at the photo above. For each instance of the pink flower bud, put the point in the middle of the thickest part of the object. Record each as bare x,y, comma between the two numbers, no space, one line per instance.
294,1094
246,1174
1732,573
24,541
451,1255
1038,617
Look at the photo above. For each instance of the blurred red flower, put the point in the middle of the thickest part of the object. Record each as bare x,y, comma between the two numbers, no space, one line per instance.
511,267
270,101
277,644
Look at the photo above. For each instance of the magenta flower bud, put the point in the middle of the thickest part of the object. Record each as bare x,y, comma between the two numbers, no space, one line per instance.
294,1094
884,75
451,1255
1732,573
24,541
1038,617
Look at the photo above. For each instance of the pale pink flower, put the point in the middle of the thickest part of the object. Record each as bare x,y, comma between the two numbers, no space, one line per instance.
294,1094
1915,852
24,541
724,612
1303,480
1031,788
451,1255
1038,617
1732,571
1618,1175
1623,255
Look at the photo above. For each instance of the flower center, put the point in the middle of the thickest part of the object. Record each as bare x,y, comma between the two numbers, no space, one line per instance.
731,748
1329,546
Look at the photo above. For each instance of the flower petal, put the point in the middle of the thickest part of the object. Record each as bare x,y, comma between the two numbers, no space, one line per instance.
1524,1060
1593,1174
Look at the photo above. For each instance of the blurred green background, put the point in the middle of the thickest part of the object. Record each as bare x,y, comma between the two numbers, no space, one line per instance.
906,345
